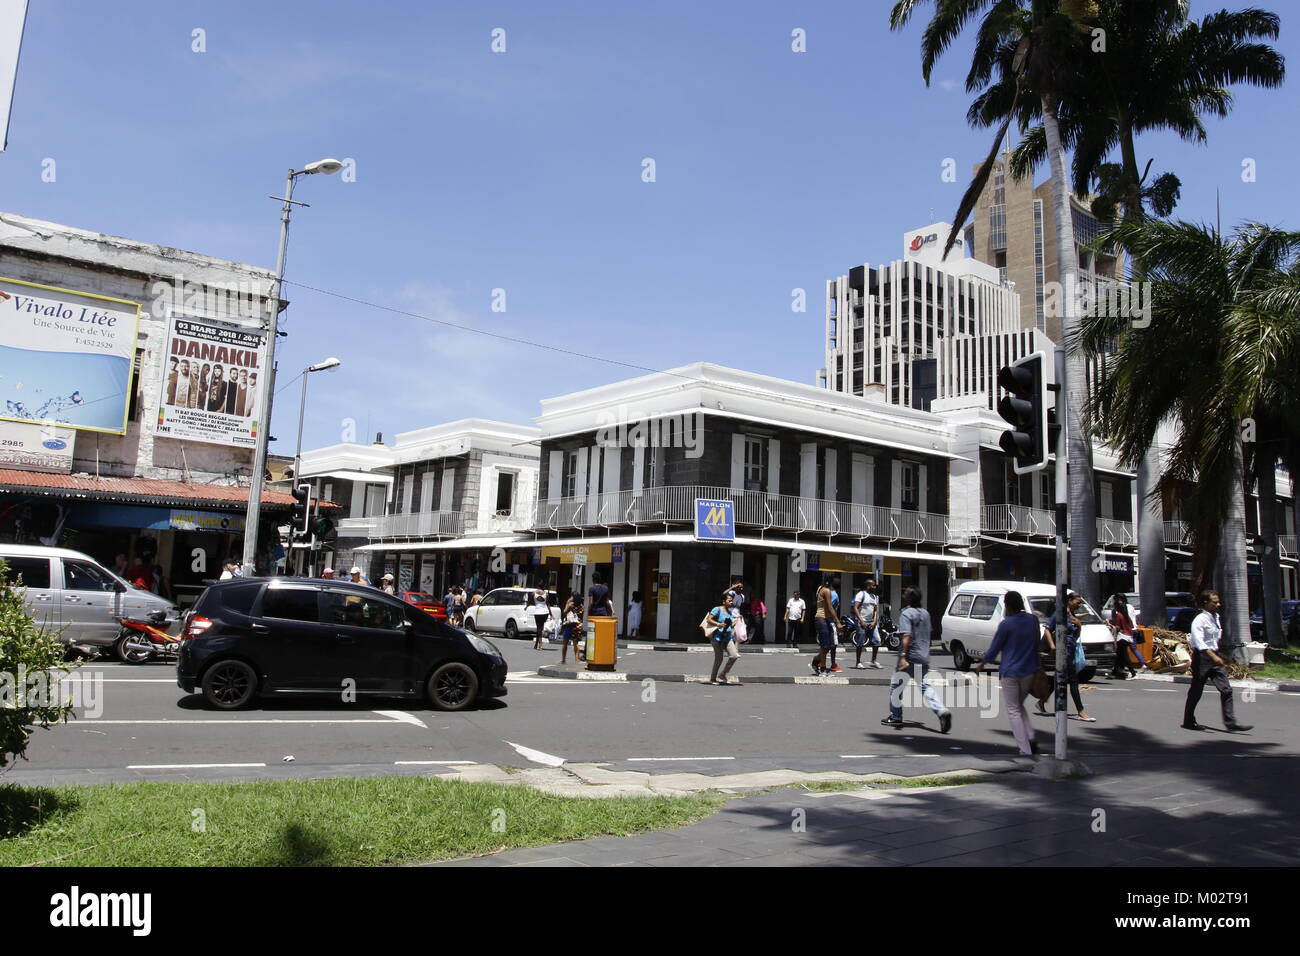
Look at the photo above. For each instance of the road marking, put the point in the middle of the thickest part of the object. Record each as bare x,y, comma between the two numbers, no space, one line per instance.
537,756
258,720
648,759
189,766
403,717
116,680
857,756
1161,690
431,763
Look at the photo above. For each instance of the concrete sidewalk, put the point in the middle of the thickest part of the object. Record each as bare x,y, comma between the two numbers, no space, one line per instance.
1162,810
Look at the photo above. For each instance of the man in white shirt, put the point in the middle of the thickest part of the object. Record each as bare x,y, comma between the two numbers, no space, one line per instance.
1207,665
866,609
794,611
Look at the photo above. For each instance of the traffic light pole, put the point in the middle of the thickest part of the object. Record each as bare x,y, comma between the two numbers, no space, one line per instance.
1062,557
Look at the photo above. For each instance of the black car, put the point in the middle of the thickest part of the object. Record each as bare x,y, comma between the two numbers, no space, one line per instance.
260,636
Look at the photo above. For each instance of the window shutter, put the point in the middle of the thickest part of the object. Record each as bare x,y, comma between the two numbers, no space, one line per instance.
554,475
737,462
774,466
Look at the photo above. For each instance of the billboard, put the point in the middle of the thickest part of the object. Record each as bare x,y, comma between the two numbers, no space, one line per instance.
36,447
715,520
65,357
212,372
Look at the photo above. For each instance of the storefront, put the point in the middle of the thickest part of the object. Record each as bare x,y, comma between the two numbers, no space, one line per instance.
180,532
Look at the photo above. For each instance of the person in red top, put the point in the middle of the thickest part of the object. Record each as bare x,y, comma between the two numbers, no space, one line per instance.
1121,626
139,575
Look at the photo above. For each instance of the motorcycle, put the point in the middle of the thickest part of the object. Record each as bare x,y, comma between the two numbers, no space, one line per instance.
141,641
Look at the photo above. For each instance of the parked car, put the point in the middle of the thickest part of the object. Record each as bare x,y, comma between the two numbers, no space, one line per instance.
251,637
507,611
72,593
426,603
975,611
1289,611
1174,601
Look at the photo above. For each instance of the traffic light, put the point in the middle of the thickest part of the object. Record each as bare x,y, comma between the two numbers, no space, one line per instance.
1029,440
322,527
301,510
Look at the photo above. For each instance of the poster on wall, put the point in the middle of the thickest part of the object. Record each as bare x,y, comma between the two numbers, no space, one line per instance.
36,447
211,377
66,357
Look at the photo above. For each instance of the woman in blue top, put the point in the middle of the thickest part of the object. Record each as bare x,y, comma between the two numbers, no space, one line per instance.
1073,628
724,639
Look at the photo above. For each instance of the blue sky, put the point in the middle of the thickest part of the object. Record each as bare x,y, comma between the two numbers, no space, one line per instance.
522,171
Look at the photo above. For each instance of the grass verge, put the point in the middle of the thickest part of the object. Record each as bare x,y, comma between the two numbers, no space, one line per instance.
832,786
1280,663
337,822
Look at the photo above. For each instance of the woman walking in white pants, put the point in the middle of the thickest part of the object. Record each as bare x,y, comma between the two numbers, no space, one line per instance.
1016,641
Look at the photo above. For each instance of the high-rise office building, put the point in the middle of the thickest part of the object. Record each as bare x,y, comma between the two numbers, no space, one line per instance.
1012,229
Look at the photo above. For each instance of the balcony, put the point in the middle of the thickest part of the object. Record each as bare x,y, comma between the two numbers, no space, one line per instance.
1176,534
1287,544
1018,519
1117,533
754,509
357,527
421,524
1036,522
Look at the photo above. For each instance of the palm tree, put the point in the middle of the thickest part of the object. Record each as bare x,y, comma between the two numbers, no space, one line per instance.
1037,49
1159,71
1218,361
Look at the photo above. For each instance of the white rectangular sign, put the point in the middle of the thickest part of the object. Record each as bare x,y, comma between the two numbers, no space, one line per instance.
36,447
13,14
66,357
211,375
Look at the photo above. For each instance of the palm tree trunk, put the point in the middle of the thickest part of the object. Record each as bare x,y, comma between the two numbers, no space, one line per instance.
1271,571
1232,555
1151,542
1083,502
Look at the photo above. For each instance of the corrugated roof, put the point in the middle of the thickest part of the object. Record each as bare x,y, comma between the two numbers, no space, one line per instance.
143,490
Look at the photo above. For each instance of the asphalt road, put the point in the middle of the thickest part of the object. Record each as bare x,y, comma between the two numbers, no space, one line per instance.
150,729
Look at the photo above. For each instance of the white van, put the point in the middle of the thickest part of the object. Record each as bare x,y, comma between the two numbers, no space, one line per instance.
976,610
72,593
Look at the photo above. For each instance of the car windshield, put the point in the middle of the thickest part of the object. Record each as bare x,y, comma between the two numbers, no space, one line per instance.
420,597
1045,606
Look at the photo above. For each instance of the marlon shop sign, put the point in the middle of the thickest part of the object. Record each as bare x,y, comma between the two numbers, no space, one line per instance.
210,383
65,356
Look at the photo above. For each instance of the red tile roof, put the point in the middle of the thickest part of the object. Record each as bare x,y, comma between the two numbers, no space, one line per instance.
145,490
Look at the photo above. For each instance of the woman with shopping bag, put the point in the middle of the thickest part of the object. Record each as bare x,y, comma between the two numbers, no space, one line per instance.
719,626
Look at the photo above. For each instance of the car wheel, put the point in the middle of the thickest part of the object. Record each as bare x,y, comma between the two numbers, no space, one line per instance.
469,625
229,685
124,653
960,659
453,686
512,629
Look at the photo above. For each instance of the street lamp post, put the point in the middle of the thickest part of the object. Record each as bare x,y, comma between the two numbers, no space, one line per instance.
329,363
253,514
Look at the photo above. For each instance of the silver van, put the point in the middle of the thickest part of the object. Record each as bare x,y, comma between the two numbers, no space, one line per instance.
72,593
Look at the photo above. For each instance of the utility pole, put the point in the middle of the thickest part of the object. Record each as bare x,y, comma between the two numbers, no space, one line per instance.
1062,556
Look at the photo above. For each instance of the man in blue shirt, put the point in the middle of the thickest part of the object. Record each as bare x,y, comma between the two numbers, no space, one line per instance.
1017,641
914,630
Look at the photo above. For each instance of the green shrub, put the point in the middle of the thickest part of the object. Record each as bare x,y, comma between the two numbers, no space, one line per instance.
31,661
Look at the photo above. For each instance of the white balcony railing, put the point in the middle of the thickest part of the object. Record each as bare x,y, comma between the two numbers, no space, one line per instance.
753,509
357,527
421,524
1175,533
1287,545
1018,519
1115,532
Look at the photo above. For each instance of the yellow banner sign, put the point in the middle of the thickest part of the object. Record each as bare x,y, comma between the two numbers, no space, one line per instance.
594,553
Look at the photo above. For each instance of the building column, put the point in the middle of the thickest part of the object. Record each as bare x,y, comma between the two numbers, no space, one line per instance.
662,618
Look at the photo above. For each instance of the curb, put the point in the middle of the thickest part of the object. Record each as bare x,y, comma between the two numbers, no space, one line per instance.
554,670
1264,683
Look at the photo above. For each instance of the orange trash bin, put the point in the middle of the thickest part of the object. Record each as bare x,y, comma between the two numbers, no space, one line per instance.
601,643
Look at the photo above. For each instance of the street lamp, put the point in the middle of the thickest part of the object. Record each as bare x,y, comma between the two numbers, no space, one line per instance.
253,514
328,364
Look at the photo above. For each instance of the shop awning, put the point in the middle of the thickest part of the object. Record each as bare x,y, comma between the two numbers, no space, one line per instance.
148,491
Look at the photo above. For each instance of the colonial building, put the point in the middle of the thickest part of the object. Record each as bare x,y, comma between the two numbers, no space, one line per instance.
111,445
